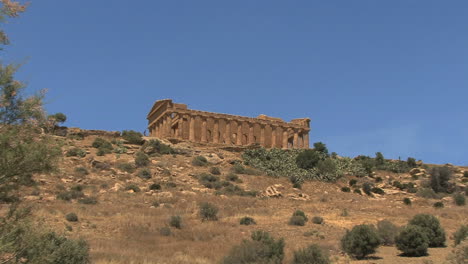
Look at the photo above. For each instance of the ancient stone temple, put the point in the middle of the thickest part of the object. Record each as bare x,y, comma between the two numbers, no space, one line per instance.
171,120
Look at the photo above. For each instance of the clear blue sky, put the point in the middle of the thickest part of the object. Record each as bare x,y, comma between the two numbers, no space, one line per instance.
389,76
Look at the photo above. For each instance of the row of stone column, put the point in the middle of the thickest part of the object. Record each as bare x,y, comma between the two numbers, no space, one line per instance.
184,128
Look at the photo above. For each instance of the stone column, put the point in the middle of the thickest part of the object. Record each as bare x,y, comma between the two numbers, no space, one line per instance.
203,130
251,133
164,127
306,139
239,133
169,125
227,135
262,135
285,138
273,136
184,130
192,128
216,131
296,140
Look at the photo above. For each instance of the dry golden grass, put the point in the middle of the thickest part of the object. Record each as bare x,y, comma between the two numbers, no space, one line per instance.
125,228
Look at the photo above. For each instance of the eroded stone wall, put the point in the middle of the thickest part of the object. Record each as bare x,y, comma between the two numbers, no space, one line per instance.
170,120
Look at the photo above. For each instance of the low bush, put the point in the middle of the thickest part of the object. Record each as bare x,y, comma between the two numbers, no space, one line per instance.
209,181
440,177
127,167
297,221
345,189
461,234
132,187
412,241
352,182
70,195
155,186
407,201
427,193
431,224
82,171
199,161
88,200
103,146
317,220
247,221
132,137
367,188
238,168
411,162
165,231
232,177
71,217
141,159
261,249
145,174
387,232
176,221
208,211
465,174
377,190
358,191
459,199
361,241
157,147
438,205
215,171
76,152
231,189
313,254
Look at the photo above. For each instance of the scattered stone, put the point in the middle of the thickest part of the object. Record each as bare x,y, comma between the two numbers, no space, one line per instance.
271,191
117,187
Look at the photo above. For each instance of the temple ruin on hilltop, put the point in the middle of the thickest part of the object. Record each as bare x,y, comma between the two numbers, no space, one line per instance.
171,120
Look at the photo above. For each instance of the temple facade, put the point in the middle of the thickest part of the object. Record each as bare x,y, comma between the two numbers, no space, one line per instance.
172,120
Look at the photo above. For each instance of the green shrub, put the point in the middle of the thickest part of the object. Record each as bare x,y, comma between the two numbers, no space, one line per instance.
440,177
321,148
379,159
247,221
297,185
145,174
313,254
71,217
459,199
387,232
215,171
76,152
345,189
328,167
231,189
352,182
438,205
209,181
465,174
411,162
141,159
358,191
81,171
367,188
155,186
238,168
297,221
301,214
127,167
308,159
407,201
132,187
378,179
261,249
170,184
431,224
413,241
232,177
427,193
461,234
132,137
317,220
361,241
103,146
208,211
157,147
377,190
88,200
199,161
70,195
165,231
344,212
176,221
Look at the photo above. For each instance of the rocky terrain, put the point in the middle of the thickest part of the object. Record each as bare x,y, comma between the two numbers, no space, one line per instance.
124,210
